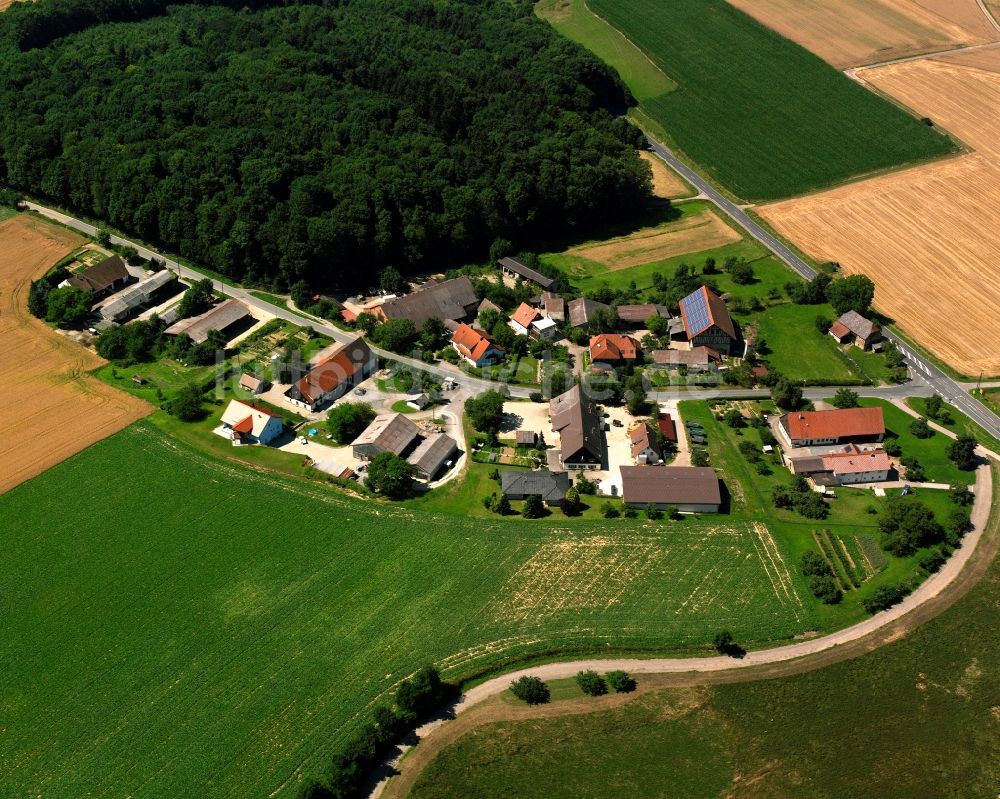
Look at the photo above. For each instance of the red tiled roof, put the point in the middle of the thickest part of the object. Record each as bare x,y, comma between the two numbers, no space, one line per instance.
854,460
839,329
327,374
613,347
525,315
471,343
838,423
244,425
642,438
667,426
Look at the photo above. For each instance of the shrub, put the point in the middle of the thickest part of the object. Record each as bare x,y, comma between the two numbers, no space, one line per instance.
390,475
933,560
920,428
699,457
885,597
591,683
620,681
891,447
531,690
907,525
722,641
845,398
824,588
812,563
653,513
609,511
347,420
186,404
962,453
533,507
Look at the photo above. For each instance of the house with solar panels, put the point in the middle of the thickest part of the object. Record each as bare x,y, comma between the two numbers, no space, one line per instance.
707,323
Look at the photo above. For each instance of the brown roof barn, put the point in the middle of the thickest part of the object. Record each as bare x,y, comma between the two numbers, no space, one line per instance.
577,420
102,277
688,488
450,300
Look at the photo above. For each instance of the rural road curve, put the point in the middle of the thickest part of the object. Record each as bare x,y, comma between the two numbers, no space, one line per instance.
931,588
473,385
939,382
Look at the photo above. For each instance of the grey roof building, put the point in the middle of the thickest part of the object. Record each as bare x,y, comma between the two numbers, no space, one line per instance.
450,300
581,311
551,487
516,269
119,307
388,432
221,318
577,420
694,489
432,454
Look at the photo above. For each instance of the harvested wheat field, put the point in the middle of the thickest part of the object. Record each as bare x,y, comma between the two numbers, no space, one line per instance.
847,33
50,407
967,13
987,58
930,236
694,233
666,183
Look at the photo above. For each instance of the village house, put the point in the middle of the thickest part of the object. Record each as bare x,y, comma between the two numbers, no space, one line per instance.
638,315
101,279
333,376
850,466
577,420
690,489
645,449
525,438
388,432
524,273
224,317
246,423
613,349
550,487
451,301
475,347
528,321
433,454
487,305
554,307
707,323
694,359
852,327
253,384
837,426
582,311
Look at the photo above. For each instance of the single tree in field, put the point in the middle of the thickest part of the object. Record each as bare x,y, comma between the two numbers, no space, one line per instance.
531,690
722,641
591,683
348,420
390,475
486,412
186,404
920,428
845,398
962,452
854,293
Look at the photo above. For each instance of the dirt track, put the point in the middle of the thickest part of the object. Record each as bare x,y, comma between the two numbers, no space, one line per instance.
50,407
483,704
930,236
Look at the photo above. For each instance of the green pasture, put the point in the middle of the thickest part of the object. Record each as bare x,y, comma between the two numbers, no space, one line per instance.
758,113
195,627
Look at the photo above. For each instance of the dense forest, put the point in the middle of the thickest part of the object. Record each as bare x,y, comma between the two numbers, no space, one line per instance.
314,139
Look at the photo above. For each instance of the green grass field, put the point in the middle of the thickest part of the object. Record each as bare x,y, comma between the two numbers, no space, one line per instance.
574,21
915,719
6,212
960,423
759,114
196,628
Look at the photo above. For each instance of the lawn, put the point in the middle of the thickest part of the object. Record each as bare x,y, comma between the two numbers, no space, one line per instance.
196,628
915,719
574,21
749,100
961,424
6,212
931,452
797,348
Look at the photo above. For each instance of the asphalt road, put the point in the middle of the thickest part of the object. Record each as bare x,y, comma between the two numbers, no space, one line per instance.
920,368
927,378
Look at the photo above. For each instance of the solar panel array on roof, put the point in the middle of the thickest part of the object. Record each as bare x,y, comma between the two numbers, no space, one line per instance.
696,311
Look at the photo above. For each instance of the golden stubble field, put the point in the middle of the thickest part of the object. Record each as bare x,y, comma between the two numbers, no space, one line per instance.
929,236
848,33
50,408
695,233
667,184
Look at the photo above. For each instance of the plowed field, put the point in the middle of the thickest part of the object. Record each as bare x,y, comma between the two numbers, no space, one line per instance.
50,408
930,236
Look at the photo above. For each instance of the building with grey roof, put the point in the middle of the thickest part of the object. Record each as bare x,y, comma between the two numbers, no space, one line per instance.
577,420
388,432
520,271
123,304
690,489
221,317
450,300
550,487
432,455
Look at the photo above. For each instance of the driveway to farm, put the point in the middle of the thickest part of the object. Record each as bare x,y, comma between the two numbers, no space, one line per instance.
934,595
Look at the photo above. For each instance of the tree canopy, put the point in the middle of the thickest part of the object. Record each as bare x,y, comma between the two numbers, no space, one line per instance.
315,140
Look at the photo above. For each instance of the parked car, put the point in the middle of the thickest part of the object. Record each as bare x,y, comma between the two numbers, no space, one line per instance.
360,392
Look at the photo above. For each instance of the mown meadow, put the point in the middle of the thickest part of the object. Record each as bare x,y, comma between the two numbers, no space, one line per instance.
758,113
179,625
